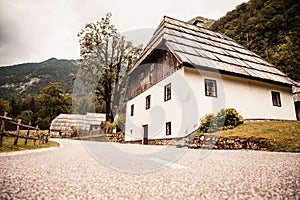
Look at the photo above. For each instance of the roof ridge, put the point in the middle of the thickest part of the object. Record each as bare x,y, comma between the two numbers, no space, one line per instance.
199,28
186,22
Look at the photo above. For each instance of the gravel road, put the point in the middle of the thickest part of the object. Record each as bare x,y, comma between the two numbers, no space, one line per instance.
91,170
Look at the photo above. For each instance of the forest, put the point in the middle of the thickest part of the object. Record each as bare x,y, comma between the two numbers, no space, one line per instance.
40,109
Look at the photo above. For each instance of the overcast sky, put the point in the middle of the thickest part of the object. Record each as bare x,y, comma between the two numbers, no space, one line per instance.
35,30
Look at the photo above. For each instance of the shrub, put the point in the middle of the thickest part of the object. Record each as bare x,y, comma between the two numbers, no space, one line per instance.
208,123
108,127
229,118
74,131
225,119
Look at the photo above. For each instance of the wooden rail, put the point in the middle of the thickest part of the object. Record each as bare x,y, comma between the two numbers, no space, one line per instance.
42,137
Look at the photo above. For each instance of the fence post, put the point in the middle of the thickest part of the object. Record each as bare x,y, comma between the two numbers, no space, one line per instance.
18,132
2,129
43,138
36,133
40,138
28,132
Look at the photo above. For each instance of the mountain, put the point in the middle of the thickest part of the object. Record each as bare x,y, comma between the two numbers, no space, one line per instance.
29,79
270,28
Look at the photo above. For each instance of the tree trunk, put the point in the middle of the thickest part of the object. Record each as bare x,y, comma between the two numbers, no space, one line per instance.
108,109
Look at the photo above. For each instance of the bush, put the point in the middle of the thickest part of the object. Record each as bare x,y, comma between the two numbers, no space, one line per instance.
225,119
208,123
74,131
229,118
108,127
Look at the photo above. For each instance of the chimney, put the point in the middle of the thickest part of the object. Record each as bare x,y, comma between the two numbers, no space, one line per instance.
197,21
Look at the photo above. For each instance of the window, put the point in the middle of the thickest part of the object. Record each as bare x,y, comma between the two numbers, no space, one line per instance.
276,99
148,102
210,88
168,128
152,67
132,110
168,92
142,75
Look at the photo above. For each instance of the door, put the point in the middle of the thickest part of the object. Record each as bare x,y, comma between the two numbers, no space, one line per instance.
145,134
297,107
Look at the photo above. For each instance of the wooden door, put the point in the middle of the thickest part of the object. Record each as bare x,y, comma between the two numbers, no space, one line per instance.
145,134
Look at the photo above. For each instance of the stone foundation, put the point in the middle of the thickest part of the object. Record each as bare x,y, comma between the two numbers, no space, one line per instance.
115,137
193,141
197,141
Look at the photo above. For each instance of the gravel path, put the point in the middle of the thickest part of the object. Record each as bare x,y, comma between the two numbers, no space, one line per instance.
90,170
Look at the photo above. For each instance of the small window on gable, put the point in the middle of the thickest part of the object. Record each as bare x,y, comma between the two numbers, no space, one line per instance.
148,101
167,92
152,67
210,88
276,99
168,128
142,75
132,110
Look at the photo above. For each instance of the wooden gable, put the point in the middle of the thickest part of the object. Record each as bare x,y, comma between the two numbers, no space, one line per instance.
159,65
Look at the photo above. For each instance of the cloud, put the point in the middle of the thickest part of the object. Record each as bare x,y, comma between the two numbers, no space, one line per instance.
35,30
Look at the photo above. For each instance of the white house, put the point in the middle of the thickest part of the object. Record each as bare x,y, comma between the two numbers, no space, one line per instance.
187,71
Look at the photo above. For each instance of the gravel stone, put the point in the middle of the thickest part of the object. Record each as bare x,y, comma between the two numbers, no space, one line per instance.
72,172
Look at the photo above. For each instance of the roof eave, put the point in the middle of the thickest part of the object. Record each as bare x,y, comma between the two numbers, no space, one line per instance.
186,64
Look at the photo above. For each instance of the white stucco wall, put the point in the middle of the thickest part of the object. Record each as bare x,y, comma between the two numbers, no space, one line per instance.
180,110
252,99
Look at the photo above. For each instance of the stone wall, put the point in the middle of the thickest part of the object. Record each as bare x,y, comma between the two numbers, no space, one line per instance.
197,141
193,141
115,137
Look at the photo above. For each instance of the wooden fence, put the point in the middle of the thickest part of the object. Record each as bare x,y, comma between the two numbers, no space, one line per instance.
36,135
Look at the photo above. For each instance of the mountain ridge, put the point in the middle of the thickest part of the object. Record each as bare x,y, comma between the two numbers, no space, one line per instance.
28,79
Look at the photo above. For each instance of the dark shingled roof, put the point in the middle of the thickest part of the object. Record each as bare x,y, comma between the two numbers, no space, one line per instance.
202,48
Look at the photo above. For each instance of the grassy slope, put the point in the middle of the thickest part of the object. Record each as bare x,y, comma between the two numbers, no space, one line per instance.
8,146
282,135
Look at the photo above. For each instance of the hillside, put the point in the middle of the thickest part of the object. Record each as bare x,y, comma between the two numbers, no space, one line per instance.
30,78
270,28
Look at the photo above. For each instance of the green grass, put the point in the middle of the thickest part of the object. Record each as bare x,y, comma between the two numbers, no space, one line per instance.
8,144
281,135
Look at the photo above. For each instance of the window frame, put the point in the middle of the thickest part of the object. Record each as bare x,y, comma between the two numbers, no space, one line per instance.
210,88
132,110
168,128
142,75
148,102
276,99
167,92
152,67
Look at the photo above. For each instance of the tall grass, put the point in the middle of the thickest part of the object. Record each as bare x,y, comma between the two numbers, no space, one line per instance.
281,135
